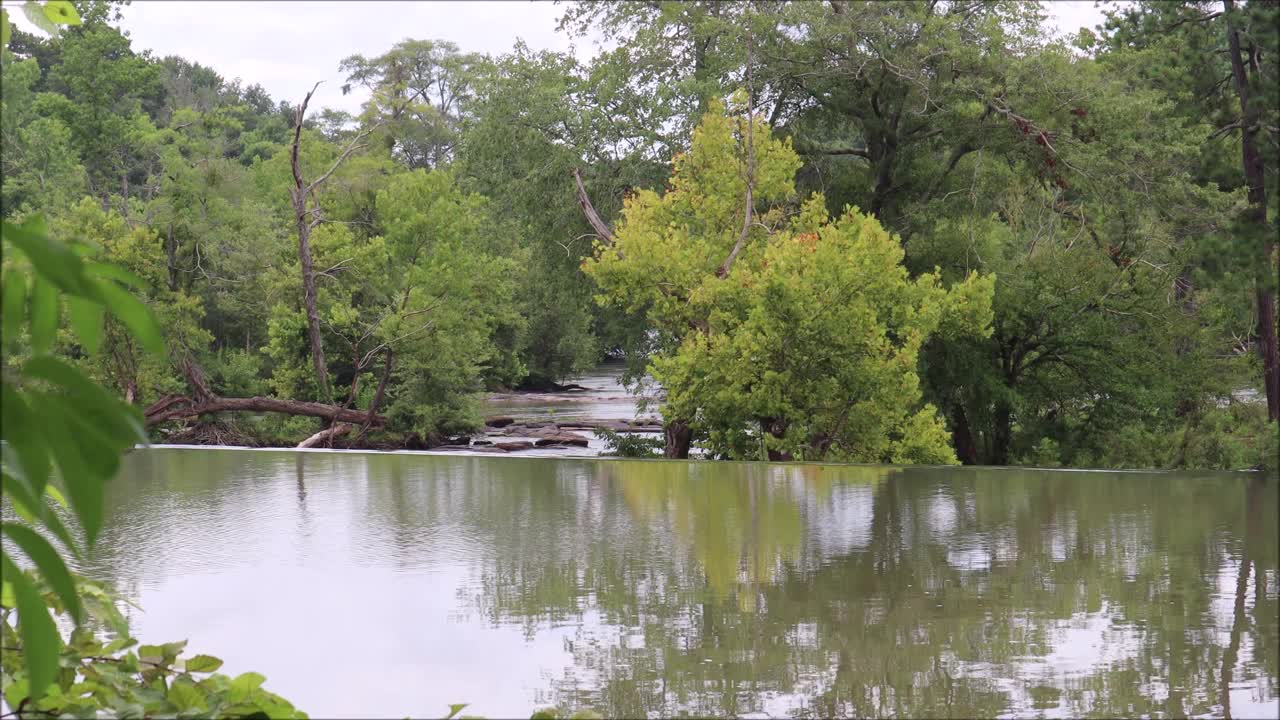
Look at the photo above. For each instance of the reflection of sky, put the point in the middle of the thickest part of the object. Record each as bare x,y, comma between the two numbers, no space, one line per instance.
842,524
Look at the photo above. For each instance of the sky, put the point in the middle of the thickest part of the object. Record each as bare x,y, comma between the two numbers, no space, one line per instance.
287,46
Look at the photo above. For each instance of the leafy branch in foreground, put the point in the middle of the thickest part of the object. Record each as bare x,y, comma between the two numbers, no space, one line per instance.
121,677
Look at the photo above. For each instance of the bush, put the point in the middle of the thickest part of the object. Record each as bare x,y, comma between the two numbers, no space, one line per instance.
629,444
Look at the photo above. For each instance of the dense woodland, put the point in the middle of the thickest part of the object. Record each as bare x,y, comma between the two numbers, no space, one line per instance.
880,232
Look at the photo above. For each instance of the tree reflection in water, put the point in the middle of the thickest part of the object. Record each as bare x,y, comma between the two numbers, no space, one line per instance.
818,591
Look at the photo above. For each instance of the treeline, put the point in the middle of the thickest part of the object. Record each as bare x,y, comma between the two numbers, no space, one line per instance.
943,235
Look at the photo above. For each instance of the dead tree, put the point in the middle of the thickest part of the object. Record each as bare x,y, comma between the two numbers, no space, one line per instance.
307,212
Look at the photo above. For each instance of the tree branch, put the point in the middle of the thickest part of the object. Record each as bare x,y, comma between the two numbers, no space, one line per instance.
749,201
589,210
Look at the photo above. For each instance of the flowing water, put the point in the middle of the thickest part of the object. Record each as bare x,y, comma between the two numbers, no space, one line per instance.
388,585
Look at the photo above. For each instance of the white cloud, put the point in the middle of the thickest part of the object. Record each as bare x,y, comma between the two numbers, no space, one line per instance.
287,46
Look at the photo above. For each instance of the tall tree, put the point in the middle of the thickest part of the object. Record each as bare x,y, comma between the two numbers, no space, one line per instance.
308,215
1221,61
419,93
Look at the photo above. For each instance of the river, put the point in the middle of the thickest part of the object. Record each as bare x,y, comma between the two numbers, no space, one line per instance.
391,585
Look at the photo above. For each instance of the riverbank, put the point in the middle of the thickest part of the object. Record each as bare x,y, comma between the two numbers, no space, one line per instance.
568,422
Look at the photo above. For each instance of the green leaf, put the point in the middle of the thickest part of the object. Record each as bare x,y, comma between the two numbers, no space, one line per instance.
35,13
86,319
186,696
100,451
120,421
50,565
16,691
18,427
203,664
52,260
57,495
454,709
32,509
115,272
544,714
243,685
44,316
61,12
40,640
172,650
5,28
83,484
13,306
134,314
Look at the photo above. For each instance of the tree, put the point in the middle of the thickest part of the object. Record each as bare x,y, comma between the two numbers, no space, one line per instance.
308,215
420,90
798,336
1218,63
535,119
104,88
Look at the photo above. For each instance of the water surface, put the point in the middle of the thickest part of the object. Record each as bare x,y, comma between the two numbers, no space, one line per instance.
377,585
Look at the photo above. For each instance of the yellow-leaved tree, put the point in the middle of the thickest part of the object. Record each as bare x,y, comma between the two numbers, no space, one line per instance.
780,331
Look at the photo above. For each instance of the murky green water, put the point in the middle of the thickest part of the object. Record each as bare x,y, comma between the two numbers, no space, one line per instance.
391,585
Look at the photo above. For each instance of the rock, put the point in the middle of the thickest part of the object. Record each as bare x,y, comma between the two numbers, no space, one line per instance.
565,439
498,421
513,446
482,442
462,440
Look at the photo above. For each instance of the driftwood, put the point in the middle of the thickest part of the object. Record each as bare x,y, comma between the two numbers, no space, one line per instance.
327,435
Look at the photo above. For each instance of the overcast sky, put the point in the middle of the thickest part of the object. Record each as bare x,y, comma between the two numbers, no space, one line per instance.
288,46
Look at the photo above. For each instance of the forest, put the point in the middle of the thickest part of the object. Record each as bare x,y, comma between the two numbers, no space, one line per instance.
882,232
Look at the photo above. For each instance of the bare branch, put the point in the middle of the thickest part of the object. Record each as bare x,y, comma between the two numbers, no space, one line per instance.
589,210
749,201
1225,129
352,146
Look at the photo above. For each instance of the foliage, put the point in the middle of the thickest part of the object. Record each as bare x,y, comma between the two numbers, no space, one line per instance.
808,347
630,445
1096,178
122,678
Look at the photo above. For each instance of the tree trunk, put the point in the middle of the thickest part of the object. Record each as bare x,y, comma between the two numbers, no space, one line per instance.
1256,216
302,214
776,427
309,296
1003,435
171,252
678,435
962,437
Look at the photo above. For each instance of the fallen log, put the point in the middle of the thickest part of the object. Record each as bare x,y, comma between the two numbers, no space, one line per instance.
167,410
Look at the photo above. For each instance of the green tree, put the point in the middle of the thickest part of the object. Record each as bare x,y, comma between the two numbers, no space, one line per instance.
797,336
420,91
